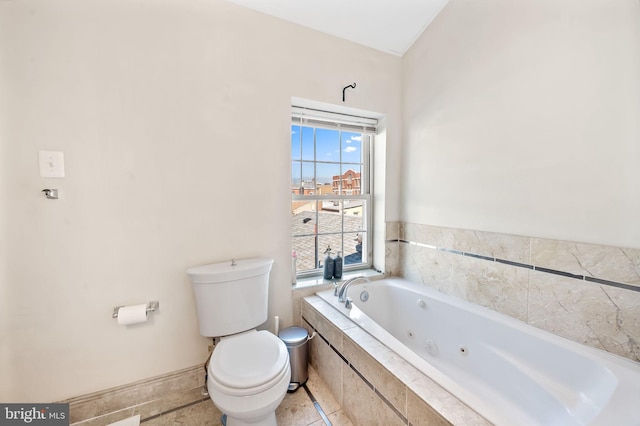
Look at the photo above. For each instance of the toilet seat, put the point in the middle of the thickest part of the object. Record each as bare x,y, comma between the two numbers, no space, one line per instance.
248,363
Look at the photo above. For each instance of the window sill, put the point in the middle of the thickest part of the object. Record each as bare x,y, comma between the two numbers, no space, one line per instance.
318,281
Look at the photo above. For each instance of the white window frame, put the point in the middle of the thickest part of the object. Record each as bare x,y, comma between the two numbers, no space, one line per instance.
307,117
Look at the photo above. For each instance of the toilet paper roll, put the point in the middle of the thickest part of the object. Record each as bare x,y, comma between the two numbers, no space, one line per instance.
132,314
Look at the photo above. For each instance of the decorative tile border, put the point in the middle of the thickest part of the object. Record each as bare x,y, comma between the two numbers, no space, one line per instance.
522,265
615,264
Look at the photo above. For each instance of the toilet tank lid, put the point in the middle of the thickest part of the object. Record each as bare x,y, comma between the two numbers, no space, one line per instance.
229,271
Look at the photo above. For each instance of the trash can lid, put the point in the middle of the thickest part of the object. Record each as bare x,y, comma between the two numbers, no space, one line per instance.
293,335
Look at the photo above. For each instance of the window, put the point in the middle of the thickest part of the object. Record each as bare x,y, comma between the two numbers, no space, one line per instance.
330,187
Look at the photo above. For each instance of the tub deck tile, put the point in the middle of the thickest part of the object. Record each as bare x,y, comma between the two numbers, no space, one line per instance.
337,318
391,361
444,405
389,386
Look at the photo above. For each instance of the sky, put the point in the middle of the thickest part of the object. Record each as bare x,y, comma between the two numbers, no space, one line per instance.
333,147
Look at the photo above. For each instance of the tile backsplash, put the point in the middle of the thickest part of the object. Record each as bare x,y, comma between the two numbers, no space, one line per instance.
587,293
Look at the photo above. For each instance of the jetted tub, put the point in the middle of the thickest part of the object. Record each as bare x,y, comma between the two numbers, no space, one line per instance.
509,372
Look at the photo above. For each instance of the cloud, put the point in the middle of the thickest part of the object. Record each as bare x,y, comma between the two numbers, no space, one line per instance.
355,138
350,149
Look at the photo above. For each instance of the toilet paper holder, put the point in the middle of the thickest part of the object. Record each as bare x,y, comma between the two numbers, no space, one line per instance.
151,307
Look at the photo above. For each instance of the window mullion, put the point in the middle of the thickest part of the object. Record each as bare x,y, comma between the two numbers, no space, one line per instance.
301,163
341,192
315,191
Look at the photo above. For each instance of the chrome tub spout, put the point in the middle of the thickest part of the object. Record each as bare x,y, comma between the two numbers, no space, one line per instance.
342,292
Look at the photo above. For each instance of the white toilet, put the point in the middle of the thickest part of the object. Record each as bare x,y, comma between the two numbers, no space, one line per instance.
249,372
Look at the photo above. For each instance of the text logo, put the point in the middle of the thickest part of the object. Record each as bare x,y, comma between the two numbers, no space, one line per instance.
34,414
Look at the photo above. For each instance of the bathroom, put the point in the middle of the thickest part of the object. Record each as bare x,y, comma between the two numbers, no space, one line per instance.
514,121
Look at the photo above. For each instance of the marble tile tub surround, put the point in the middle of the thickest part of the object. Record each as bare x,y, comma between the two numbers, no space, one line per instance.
585,292
372,383
392,249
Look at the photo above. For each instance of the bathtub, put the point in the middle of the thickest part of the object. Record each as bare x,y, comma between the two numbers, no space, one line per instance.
509,372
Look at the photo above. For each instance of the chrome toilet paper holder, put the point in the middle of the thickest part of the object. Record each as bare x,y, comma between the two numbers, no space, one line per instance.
151,307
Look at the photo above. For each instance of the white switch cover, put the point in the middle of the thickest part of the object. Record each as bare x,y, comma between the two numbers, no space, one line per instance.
51,164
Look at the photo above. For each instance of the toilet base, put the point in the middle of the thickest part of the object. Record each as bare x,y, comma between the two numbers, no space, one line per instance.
268,420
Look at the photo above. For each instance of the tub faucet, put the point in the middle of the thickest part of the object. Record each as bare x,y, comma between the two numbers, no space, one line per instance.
342,293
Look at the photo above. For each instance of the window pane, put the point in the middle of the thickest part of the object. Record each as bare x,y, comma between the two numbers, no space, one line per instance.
305,250
324,188
351,147
329,216
303,218
327,145
307,144
328,175
296,149
325,241
351,179
353,248
354,215
302,181
308,184
296,176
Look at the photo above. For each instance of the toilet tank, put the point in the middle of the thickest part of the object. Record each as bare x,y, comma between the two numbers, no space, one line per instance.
232,296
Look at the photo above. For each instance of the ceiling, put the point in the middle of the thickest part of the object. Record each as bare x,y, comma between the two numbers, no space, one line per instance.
387,25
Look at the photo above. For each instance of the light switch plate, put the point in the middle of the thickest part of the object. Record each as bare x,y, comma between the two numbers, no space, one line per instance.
51,163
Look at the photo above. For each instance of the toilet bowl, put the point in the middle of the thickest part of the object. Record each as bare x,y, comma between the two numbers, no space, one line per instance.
249,375
249,372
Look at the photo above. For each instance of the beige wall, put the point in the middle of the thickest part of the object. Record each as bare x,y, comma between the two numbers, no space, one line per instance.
523,118
158,106
520,143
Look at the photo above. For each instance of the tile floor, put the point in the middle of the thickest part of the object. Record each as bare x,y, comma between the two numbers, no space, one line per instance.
297,409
